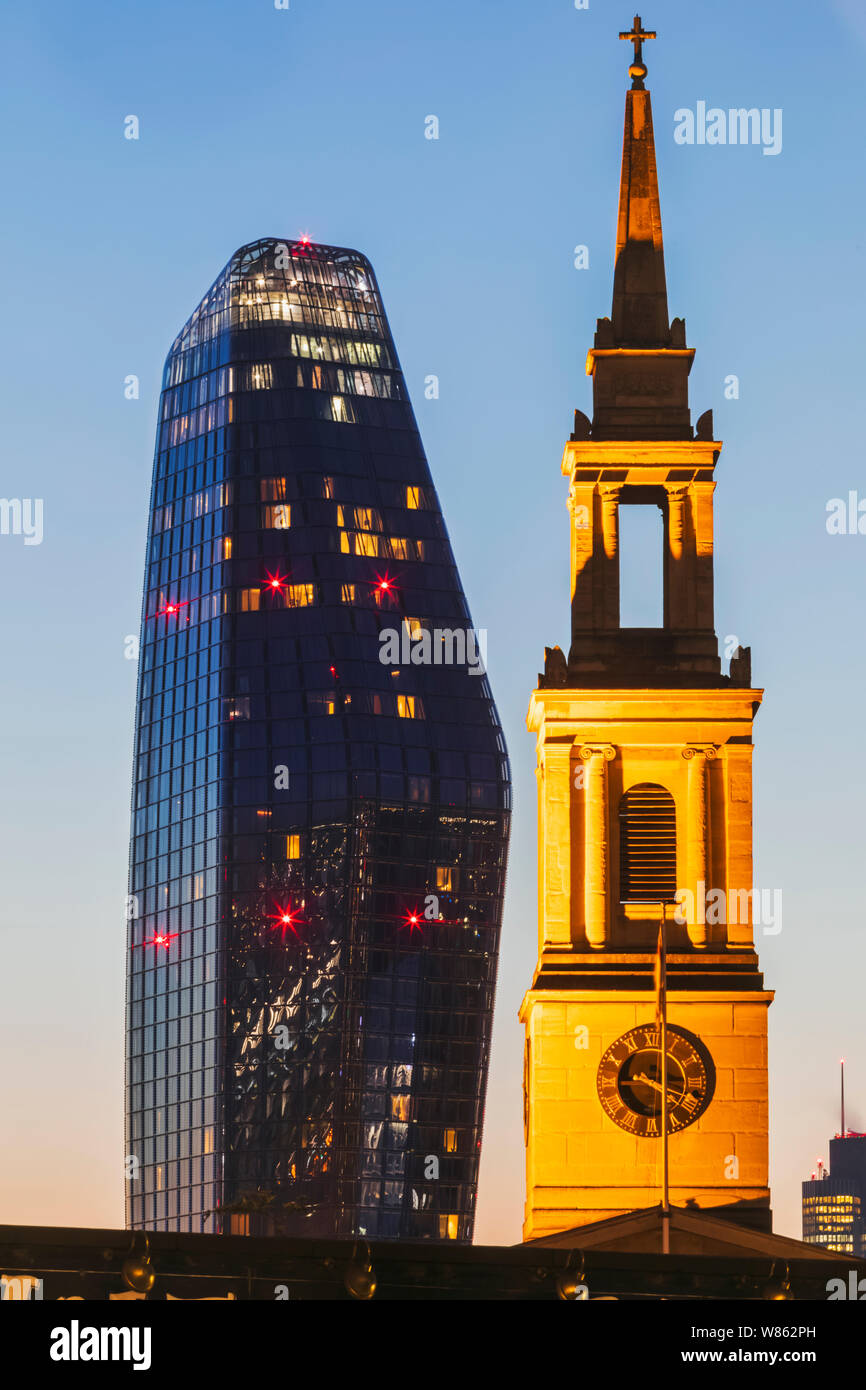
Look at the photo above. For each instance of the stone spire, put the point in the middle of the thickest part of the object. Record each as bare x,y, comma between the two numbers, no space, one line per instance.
640,298
639,361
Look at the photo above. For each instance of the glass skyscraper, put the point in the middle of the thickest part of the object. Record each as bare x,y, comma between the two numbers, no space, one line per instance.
834,1202
321,793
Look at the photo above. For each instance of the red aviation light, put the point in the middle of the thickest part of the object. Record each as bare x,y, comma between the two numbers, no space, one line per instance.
163,939
385,584
413,921
170,609
286,918
276,583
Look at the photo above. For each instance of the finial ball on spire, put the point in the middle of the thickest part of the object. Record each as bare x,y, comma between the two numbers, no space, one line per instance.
636,35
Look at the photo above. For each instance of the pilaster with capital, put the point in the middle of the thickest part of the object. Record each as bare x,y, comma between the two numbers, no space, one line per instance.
678,567
596,843
581,511
608,500
697,839
555,846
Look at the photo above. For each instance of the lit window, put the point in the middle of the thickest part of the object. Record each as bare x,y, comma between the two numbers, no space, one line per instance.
208,1140
227,548
448,1226
249,600
419,788
273,489
278,518
288,595
261,376
293,846
347,593
198,886
413,498
299,595
443,879
328,487
159,1177
359,543
410,707
321,702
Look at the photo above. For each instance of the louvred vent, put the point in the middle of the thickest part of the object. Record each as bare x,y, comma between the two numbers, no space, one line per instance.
648,845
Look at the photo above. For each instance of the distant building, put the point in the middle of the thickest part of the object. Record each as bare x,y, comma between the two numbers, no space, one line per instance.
834,1199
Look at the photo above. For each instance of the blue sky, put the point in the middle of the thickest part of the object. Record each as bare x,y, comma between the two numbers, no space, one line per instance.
257,122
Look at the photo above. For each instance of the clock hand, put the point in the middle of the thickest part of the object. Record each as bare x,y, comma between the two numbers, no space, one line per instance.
656,1085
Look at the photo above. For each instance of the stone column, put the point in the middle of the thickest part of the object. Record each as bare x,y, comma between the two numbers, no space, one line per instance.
556,844
609,520
609,506
677,561
583,561
676,523
697,840
703,561
596,843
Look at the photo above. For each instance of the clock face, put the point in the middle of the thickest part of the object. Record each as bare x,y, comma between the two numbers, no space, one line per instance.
630,1080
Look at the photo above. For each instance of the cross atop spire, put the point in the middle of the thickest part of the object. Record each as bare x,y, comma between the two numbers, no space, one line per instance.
637,71
639,361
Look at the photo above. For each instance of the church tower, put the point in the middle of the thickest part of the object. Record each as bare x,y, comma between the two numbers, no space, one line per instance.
644,768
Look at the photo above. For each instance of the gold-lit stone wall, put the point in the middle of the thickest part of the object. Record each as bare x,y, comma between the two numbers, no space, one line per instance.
592,746
581,1167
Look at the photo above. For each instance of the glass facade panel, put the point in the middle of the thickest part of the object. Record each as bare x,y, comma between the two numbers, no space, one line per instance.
321,793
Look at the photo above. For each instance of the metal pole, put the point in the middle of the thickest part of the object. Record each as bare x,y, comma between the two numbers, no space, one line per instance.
663,1038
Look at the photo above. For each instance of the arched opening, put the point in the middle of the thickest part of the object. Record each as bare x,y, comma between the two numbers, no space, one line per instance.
647,845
